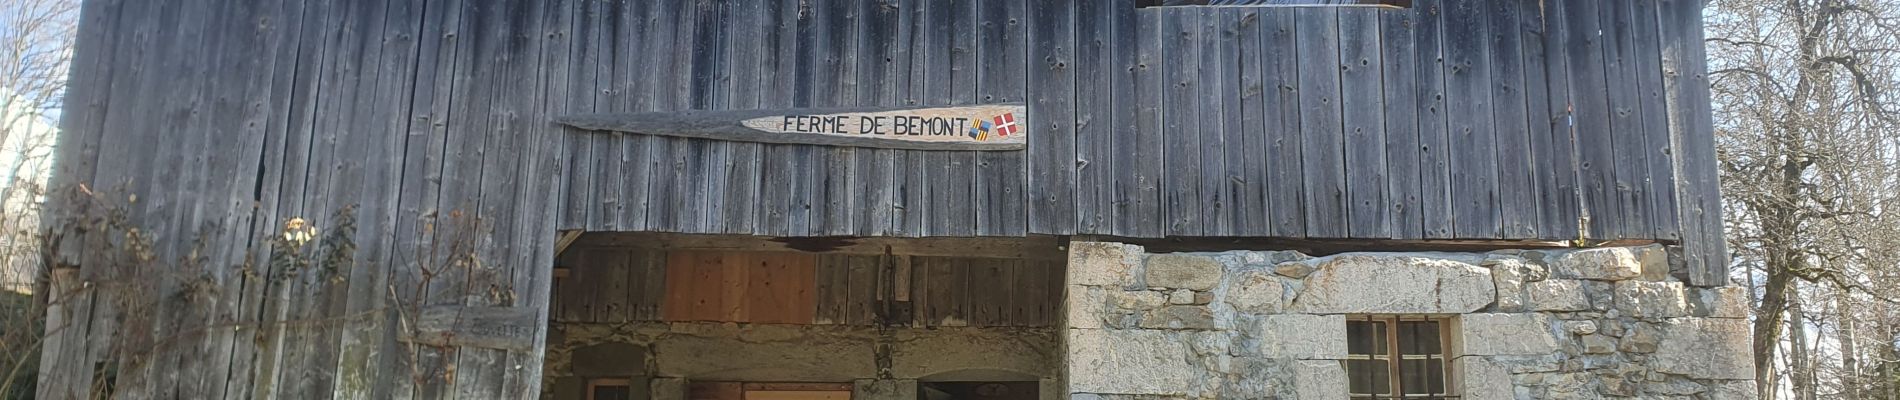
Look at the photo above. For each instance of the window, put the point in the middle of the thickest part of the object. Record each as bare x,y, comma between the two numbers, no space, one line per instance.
610,389
1396,357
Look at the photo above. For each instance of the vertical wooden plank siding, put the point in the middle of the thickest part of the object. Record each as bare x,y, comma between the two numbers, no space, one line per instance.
1363,109
1692,132
1548,115
1589,98
840,82
1399,71
1285,171
1247,161
1210,92
1322,135
65,362
954,211
1517,206
1631,163
1180,115
1434,129
1002,65
1659,189
1474,168
1499,62
1095,159
401,127
1051,152
1147,211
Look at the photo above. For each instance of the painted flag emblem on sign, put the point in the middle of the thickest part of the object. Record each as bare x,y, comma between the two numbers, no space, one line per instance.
1006,124
980,130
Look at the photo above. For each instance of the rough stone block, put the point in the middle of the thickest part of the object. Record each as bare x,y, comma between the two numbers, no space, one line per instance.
1674,386
1051,388
667,388
1099,264
609,359
1507,334
1303,336
1085,308
1136,300
1642,299
1181,296
1256,292
1179,317
1484,379
1705,348
884,389
1733,390
1654,262
1294,269
1558,295
1598,344
1603,264
1720,302
1507,275
1602,294
1182,271
1642,338
1259,378
1130,362
1395,284
1580,327
1319,380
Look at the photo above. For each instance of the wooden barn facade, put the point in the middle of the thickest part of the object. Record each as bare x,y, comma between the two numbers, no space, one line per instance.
660,198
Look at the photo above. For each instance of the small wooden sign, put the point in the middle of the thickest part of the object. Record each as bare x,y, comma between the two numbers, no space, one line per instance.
990,127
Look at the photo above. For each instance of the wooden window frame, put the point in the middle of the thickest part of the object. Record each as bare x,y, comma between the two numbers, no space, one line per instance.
1394,357
599,382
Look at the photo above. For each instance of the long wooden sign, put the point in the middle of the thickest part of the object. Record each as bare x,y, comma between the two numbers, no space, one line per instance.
990,127
506,328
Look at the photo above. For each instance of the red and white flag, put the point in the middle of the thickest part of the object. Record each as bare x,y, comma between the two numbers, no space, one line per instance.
1006,124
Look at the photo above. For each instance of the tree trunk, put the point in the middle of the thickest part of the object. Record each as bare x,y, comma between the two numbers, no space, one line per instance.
1768,321
1800,358
1850,356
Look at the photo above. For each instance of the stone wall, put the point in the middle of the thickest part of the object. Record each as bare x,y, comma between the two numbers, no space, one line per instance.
885,364
1525,324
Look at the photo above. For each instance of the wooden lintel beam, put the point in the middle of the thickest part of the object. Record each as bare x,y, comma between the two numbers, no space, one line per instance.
1033,247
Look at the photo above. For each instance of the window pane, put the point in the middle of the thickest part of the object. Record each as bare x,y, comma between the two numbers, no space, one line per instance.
1422,376
1418,337
1368,377
1365,337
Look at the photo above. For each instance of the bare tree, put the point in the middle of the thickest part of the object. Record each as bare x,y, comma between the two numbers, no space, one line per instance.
36,46
1807,141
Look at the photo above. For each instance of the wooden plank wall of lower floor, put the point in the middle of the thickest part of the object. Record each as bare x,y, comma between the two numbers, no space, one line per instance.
620,284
